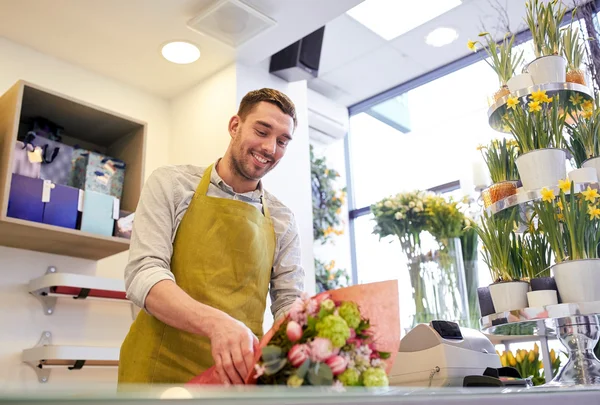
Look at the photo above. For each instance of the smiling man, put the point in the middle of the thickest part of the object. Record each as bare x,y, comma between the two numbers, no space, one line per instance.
207,245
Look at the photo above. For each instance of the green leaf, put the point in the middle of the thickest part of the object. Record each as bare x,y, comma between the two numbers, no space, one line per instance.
385,355
320,374
303,369
271,353
274,366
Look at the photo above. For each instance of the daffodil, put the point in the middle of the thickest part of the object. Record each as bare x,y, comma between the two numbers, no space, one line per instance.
547,195
576,99
560,205
594,212
506,128
560,216
547,99
590,194
512,102
534,106
587,114
471,45
481,147
539,95
588,105
564,185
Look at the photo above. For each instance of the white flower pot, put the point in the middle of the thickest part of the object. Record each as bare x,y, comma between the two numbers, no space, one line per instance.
541,298
518,82
509,296
542,168
548,69
578,280
584,175
593,163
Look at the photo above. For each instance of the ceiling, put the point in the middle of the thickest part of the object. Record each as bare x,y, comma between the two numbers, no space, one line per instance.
356,63
122,38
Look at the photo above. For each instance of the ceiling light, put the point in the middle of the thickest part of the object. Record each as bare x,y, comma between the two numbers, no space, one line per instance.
180,52
392,18
441,36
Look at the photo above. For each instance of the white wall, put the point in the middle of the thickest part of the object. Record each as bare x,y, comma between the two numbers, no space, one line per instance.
81,323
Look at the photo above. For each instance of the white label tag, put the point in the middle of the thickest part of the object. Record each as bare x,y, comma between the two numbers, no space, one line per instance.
116,207
35,156
80,201
48,186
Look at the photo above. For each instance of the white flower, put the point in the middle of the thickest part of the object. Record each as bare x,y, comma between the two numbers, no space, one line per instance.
388,204
417,209
399,215
379,204
420,205
412,204
375,362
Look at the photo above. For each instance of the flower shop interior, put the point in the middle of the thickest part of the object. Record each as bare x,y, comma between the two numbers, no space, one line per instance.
451,148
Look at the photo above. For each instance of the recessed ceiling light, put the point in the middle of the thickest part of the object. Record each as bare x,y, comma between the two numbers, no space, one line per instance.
441,36
180,52
392,18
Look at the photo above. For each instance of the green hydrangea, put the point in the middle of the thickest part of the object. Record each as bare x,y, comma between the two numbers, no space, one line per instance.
350,377
349,311
294,381
334,328
375,377
328,305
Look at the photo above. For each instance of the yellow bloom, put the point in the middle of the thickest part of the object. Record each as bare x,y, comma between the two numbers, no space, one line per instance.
506,128
552,356
587,114
338,211
536,348
547,99
481,147
471,45
547,195
594,212
512,142
519,357
326,172
559,205
539,96
590,194
534,106
512,102
564,185
560,216
531,356
513,361
588,105
576,99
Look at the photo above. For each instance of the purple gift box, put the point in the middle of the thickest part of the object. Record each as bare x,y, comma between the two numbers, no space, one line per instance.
25,199
61,210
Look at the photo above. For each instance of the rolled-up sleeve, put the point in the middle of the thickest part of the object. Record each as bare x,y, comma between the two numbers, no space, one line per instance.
287,280
151,245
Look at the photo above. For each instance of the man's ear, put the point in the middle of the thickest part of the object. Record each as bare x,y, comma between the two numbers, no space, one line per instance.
234,124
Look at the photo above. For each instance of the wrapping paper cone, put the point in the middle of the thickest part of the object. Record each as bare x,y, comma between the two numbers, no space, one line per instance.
378,302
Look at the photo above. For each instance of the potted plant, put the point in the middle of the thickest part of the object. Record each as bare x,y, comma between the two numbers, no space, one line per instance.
537,125
536,258
584,145
572,50
499,157
543,20
502,59
508,290
572,225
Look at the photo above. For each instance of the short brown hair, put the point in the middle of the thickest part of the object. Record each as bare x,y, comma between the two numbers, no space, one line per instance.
272,96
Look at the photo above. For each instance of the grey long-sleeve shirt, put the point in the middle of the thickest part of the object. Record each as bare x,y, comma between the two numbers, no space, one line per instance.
165,199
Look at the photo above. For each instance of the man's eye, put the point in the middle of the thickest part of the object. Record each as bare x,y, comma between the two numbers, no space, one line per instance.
260,133
282,143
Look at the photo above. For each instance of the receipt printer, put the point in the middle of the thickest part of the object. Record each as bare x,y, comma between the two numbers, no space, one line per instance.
442,354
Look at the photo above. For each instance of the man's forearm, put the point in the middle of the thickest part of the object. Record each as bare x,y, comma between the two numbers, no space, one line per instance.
173,306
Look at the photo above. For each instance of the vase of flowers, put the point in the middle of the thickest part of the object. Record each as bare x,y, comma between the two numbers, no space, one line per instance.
537,125
544,22
328,277
572,225
501,59
500,156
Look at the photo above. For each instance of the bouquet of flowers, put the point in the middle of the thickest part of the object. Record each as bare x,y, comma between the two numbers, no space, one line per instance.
345,337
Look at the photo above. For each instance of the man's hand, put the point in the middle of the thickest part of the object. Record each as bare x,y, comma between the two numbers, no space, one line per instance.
233,346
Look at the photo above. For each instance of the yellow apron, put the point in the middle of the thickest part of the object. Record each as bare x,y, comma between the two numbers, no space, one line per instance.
222,257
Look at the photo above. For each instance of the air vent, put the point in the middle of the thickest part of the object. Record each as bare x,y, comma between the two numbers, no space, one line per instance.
231,22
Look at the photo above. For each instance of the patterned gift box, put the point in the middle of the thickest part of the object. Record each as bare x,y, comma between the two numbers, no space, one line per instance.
56,165
92,171
21,163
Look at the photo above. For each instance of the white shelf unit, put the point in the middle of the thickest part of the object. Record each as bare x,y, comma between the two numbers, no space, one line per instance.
44,356
44,288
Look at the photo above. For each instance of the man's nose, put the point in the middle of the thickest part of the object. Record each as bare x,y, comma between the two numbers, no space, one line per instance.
269,145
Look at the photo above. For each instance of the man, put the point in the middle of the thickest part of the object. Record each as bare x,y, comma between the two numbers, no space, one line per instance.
207,244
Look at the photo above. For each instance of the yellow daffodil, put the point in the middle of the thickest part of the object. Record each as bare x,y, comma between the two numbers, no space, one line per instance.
588,105
547,195
576,99
560,205
512,142
590,194
560,216
471,45
506,128
587,114
594,212
539,96
481,147
564,185
547,99
534,106
512,102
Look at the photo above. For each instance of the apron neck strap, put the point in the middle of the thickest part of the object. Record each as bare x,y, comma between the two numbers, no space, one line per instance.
205,181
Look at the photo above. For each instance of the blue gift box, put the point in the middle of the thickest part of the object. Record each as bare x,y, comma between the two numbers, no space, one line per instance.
25,198
62,210
98,213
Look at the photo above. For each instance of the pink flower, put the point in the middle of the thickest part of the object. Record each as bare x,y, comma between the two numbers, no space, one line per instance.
298,355
337,364
320,349
352,333
312,307
260,370
294,331
297,313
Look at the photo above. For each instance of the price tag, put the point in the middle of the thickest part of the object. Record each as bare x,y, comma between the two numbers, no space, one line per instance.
80,201
35,156
46,190
116,208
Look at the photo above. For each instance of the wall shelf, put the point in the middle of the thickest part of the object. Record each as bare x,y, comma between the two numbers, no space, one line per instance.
44,356
88,126
53,285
